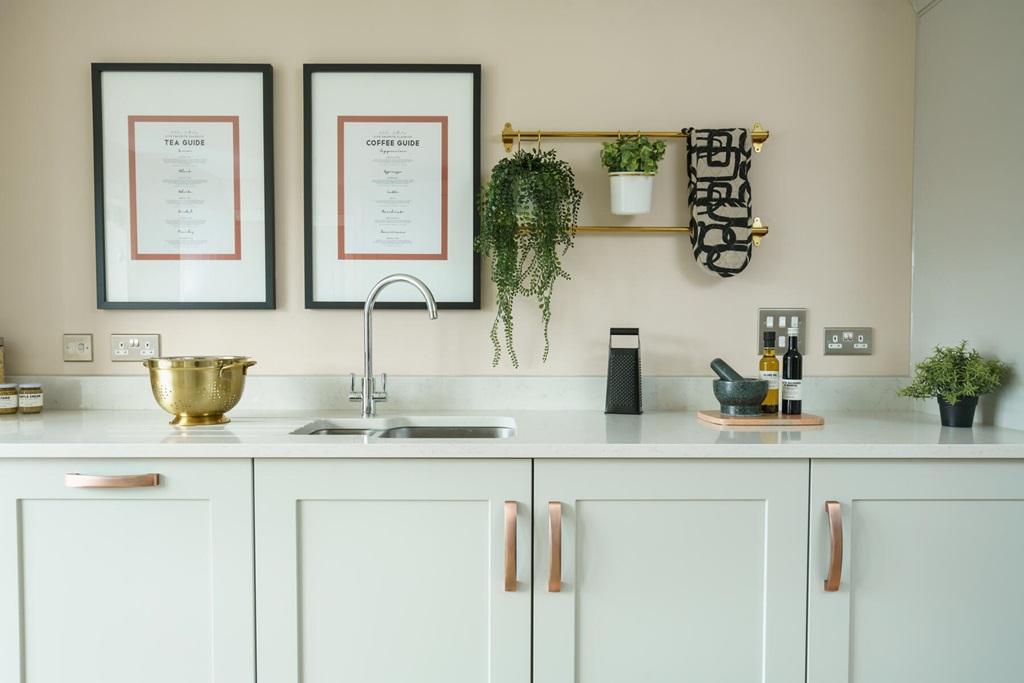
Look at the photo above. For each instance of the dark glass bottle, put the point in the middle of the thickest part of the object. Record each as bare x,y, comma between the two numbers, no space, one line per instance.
792,377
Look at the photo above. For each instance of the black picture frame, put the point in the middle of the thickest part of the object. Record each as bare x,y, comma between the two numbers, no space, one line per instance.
308,71
98,69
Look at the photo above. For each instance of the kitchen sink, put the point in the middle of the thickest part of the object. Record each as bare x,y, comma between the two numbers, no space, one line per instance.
340,431
413,428
447,432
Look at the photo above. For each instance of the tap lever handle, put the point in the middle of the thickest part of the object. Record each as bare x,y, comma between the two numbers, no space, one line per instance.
381,395
353,395
373,382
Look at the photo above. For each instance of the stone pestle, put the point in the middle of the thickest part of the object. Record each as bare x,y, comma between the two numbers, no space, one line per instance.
725,371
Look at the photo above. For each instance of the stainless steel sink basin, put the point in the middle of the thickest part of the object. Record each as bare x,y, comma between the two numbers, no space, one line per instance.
342,431
447,432
413,428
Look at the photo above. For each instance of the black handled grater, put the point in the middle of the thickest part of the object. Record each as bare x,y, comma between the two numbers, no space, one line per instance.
623,393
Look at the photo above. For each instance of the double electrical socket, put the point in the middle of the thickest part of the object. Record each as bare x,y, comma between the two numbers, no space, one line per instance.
779,320
848,341
134,347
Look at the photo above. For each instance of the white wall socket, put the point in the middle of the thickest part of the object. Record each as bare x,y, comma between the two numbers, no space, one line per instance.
77,348
849,341
134,347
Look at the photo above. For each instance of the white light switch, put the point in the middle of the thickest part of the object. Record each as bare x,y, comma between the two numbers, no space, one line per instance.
77,348
779,321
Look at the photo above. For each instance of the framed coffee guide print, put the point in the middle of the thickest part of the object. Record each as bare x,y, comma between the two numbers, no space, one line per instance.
184,185
392,159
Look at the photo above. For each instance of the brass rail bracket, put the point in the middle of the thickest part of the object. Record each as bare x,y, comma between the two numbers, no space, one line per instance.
758,136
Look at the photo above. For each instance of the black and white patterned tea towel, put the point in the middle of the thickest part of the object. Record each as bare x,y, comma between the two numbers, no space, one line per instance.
718,160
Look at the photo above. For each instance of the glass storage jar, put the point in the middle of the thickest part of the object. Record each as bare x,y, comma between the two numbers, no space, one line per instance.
30,398
8,399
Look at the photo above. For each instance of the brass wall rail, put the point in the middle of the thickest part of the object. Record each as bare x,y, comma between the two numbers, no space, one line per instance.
509,135
758,229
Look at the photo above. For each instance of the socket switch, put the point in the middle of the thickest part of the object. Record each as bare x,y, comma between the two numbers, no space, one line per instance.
849,341
77,348
134,347
779,320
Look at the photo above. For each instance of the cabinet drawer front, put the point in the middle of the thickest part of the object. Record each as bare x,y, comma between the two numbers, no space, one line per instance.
129,577
671,571
393,571
929,588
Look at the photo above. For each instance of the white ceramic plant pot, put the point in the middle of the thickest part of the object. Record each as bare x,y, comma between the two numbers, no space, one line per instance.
631,193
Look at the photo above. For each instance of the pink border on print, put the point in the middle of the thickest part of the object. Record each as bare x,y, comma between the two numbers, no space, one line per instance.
136,256
342,254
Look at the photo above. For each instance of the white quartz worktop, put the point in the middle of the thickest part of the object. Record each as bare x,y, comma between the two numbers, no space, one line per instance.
539,434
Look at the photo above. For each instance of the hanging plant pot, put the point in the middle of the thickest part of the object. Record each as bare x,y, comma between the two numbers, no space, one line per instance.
528,214
631,193
959,414
632,162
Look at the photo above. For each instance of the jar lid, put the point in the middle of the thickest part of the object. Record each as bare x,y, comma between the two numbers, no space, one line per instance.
8,386
30,386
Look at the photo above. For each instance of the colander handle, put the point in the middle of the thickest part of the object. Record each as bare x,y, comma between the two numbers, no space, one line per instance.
246,364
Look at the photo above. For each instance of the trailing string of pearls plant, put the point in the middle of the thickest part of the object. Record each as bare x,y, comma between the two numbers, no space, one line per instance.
529,210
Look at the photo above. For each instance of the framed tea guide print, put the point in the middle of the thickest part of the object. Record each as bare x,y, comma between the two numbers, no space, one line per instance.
184,185
392,158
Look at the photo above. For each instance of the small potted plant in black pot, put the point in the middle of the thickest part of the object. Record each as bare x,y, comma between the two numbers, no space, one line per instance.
956,377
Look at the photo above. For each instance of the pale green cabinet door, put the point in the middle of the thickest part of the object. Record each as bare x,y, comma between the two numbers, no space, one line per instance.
674,570
931,587
392,571
130,584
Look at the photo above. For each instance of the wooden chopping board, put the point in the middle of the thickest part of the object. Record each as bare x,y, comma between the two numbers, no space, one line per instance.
802,420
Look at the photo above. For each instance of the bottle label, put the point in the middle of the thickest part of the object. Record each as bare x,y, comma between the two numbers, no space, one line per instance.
8,401
792,390
772,377
31,400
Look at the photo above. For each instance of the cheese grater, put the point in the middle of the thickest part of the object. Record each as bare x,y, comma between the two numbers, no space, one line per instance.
623,392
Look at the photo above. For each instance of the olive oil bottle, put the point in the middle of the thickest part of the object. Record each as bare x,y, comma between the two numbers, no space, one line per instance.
769,371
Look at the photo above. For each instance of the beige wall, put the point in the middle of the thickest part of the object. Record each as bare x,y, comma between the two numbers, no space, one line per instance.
968,275
833,80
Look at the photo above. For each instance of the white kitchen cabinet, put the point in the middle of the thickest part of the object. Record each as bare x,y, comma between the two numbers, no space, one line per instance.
670,571
138,582
388,571
391,571
930,588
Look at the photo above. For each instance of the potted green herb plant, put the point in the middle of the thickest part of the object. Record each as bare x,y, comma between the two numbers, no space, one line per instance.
956,377
632,163
528,216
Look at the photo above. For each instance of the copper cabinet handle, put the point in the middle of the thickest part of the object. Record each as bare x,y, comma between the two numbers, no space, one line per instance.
555,532
75,480
835,532
511,510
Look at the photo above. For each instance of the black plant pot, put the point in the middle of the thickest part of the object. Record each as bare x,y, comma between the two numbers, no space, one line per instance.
959,414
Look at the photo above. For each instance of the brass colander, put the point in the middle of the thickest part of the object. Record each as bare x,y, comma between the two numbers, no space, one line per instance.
198,390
